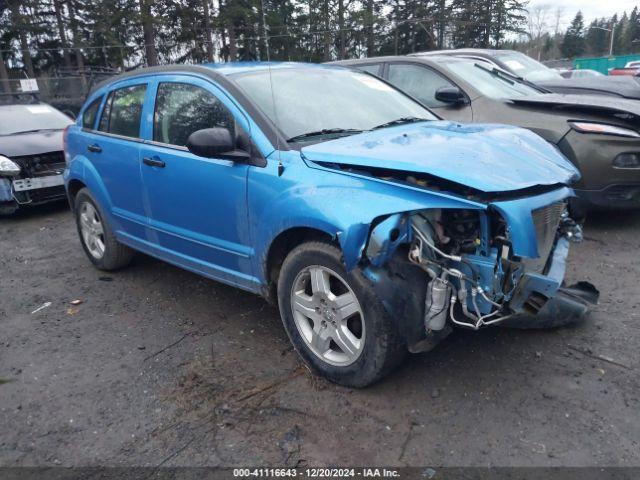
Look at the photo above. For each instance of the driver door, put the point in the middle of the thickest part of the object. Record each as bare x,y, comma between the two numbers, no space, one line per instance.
196,206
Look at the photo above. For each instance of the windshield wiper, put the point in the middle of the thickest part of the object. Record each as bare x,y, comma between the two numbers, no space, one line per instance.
510,78
400,121
501,74
324,131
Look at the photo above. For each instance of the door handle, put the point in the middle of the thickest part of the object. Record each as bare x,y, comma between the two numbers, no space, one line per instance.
153,162
94,148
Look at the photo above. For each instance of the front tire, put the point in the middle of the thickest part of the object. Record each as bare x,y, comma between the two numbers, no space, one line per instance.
334,319
96,236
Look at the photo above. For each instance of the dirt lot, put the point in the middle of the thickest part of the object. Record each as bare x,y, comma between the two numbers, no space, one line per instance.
159,366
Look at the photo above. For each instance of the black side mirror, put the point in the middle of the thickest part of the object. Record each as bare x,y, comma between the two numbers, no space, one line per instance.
451,95
215,143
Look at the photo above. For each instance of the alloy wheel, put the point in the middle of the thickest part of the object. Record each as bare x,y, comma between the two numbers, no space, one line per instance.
92,230
328,315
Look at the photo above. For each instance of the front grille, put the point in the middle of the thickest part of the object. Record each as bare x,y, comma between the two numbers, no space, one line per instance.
40,165
545,221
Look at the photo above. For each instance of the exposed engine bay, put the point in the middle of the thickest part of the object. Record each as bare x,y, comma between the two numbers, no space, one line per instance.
474,277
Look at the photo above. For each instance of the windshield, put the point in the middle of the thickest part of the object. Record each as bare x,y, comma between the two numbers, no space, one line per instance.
527,67
490,84
330,99
24,118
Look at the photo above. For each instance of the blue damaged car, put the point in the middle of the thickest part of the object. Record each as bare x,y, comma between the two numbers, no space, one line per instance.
375,226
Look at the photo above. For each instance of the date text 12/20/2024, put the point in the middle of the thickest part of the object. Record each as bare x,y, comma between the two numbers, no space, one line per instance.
317,472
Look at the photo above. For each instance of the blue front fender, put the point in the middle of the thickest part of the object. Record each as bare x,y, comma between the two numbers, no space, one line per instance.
340,204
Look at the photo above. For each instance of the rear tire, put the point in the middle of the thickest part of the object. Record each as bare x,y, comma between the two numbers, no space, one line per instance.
96,236
334,319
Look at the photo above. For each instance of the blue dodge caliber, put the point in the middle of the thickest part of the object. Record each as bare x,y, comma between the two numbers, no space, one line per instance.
375,226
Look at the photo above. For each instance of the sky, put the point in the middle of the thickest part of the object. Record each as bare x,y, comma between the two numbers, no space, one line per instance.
591,9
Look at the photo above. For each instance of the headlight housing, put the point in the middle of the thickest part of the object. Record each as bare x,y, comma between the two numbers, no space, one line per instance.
603,128
8,167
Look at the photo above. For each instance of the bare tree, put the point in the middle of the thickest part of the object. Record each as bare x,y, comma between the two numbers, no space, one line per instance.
208,30
369,28
73,24
558,15
537,27
19,20
146,18
4,75
342,46
57,7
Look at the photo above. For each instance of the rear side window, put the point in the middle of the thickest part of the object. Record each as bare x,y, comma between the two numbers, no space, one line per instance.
419,82
182,109
123,110
89,115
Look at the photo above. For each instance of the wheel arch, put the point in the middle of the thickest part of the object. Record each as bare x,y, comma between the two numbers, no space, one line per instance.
280,247
73,187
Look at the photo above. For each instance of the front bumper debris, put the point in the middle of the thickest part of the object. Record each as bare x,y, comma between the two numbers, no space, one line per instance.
539,299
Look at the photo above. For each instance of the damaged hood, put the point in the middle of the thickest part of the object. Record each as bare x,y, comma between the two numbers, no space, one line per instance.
488,158
34,143
594,104
625,86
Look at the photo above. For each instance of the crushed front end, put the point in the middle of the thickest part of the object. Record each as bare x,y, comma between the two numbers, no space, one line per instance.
31,180
501,264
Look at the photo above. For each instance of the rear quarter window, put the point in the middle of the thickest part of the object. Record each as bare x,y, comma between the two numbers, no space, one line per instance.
90,113
370,68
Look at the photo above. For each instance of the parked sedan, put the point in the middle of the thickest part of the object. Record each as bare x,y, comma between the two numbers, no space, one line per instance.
581,73
628,71
374,225
598,134
31,156
531,70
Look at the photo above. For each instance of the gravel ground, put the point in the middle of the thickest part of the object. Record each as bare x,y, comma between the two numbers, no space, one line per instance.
158,366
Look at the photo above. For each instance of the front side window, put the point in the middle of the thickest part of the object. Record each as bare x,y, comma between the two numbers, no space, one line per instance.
122,111
89,115
419,82
182,109
310,99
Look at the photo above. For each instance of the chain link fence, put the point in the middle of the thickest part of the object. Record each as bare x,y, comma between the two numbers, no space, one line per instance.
66,91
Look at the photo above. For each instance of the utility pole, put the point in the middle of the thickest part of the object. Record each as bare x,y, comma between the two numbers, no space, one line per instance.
613,33
612,30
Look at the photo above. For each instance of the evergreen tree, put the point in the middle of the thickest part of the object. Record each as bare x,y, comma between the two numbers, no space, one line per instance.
631,38
573,44
597,39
